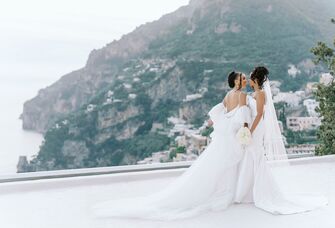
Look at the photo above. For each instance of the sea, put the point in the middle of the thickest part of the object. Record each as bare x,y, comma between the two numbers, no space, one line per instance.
19,83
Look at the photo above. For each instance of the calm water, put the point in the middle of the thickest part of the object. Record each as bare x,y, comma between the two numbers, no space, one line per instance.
16,87
14,141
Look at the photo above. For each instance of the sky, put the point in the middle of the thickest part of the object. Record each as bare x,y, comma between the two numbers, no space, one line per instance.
42,39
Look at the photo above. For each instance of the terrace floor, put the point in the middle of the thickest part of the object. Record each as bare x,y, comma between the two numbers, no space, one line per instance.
65,202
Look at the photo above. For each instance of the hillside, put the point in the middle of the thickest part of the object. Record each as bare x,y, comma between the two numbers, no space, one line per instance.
103,113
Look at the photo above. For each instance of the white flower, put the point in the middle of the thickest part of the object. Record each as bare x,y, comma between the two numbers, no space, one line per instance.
244,136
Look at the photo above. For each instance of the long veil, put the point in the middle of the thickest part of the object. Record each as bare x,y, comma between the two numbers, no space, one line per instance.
273,140
269,194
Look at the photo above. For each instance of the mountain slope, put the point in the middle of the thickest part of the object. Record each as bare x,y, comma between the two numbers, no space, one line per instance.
150,71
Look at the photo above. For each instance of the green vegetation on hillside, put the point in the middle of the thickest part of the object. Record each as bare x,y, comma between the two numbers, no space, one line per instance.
325,94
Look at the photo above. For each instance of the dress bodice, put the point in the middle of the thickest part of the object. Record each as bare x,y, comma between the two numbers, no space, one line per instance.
251,102
259,132
252,105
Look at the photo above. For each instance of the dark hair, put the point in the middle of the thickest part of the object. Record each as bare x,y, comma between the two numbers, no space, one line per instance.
260,74
232,77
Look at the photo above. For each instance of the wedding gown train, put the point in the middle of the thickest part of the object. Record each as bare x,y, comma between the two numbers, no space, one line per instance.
208,184
224,173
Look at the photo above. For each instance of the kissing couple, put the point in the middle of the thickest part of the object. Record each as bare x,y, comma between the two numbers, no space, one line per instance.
227,171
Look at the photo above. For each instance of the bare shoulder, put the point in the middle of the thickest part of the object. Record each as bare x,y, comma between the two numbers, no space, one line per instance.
260,95
227,95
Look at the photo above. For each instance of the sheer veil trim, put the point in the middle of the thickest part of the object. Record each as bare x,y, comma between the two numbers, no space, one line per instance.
273,139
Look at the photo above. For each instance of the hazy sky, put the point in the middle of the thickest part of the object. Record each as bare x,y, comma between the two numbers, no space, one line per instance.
57,36
41,40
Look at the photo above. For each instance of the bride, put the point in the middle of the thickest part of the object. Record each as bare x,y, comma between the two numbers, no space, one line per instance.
255,182
226,172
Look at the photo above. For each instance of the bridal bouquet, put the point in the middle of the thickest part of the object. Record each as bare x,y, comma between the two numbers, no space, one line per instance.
244,136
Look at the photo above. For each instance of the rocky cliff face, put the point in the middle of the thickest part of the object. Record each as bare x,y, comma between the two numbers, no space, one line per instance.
169,87
66,95
121,125
193,110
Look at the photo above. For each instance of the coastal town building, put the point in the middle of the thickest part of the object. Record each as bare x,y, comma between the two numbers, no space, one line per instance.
303,123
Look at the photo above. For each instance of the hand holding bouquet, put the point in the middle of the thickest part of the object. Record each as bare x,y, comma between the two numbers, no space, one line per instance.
244,136
209,123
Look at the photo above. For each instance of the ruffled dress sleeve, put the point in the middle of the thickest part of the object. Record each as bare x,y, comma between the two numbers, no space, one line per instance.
215,111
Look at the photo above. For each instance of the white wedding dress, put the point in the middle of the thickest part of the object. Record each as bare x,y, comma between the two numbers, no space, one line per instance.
257,185
224,173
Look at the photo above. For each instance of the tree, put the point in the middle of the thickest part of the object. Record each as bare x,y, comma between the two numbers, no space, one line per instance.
325,94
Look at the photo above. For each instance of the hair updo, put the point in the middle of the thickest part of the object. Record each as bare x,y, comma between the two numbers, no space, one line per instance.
232,77
260,74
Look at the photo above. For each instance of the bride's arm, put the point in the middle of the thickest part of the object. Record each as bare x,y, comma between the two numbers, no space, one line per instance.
260,99
210,123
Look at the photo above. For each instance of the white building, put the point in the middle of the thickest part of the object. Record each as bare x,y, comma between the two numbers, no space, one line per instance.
191,97
132,95
203,90
292,99
127,85
208,71
161,156
136,79
110,93
117,100
275,85
293,71
303,123
198,143
157,127
303,150
311,105
90,107
175,120
311,87
157,157
181,140
326,78
300,93
154,69
178,129
167,64
108,101
185,157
